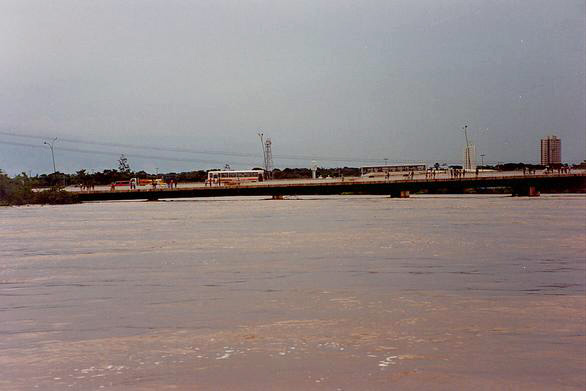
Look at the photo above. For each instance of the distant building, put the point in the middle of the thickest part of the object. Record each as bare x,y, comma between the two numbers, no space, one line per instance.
551,151
470,157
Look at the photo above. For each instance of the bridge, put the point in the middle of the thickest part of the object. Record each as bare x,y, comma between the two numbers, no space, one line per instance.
520,185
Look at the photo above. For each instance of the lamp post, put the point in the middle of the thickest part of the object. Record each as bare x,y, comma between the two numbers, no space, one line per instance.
264,153
468,160
50,144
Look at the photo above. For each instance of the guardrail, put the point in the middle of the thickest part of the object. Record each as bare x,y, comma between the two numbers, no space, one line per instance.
337,187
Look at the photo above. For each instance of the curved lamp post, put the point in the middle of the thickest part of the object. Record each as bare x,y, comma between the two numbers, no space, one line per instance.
50,144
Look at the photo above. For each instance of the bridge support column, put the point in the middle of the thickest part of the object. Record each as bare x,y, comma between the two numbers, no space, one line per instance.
152,197
526,191
400,194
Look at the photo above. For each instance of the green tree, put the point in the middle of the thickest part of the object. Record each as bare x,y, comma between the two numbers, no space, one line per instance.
123,165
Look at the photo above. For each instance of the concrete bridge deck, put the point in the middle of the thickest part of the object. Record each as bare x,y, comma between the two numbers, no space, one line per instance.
521,185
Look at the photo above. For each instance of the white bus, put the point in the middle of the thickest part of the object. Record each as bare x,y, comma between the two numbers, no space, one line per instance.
390,169
234,177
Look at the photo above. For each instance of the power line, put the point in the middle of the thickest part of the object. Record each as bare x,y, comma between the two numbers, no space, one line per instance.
210,152
134,155
306,158
134,146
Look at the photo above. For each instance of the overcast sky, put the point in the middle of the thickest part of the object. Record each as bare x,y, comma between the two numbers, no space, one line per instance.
354,80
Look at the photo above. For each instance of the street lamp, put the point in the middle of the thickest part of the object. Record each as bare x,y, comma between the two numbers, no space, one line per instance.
50,144
467,157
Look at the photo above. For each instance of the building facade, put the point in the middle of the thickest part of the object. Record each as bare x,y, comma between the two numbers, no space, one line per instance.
551,151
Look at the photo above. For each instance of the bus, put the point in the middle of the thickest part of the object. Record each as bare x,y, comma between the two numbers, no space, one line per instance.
234,177
390,169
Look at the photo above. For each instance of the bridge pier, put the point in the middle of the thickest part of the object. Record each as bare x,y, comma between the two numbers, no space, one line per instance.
525,191
400,194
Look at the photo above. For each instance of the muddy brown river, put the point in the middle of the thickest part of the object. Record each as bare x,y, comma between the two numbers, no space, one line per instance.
315,293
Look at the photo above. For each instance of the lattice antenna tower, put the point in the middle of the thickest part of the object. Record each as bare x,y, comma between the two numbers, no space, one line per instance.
268,156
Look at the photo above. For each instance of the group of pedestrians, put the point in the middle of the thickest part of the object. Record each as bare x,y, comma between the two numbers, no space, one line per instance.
563,170
560,170
430,174
457,173
87,186
170,183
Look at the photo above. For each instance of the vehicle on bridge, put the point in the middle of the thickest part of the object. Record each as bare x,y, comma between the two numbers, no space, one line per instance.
135,183
234,177
120,183
390,169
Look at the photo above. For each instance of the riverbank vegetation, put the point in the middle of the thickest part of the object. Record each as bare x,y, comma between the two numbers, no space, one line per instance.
19,191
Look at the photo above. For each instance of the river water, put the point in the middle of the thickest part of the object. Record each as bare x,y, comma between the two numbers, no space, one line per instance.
322,293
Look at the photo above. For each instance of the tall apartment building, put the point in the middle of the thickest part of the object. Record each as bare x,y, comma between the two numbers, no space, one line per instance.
551,151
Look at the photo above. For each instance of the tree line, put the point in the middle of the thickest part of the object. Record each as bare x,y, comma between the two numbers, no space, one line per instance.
109,176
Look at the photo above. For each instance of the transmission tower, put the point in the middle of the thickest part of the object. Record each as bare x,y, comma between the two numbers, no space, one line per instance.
268,156
267,153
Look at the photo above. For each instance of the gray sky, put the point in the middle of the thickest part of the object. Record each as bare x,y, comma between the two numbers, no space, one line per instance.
354,80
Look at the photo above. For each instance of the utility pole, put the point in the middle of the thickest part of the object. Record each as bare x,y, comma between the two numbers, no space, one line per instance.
50,144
